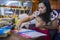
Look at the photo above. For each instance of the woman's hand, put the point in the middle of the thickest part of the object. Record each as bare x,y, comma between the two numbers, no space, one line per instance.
18,24
36,13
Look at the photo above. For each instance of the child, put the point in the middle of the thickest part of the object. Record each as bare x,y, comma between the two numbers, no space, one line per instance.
40,27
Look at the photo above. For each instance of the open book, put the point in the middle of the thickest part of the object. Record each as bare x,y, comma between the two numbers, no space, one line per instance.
30,33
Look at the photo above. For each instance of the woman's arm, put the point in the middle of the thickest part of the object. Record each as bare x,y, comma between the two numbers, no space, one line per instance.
36,13
20,21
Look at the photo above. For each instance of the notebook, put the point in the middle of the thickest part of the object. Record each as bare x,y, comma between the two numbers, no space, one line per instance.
30,33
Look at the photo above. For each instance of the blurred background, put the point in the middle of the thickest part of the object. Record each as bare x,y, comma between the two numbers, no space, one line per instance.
55,4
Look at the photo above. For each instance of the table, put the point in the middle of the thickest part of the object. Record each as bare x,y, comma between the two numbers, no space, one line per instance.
26,34
17,37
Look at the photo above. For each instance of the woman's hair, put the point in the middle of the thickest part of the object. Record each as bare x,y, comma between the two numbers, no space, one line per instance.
48,10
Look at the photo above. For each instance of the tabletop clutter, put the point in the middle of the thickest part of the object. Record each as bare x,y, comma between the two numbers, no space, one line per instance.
6,27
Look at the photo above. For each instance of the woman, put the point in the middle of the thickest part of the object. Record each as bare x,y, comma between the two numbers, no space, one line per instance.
44,9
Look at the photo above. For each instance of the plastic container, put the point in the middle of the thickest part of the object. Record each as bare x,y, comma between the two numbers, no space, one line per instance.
1,31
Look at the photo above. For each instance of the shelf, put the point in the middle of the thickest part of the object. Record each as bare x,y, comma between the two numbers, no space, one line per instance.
17,8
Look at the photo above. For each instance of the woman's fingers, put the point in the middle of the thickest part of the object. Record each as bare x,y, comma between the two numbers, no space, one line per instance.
36,13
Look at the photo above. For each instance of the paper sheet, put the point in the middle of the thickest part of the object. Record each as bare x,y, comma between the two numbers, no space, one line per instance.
30,33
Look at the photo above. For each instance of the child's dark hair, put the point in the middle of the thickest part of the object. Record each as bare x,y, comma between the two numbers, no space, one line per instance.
43,18
46,15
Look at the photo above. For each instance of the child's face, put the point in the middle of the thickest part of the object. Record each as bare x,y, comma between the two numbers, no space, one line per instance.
39,22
